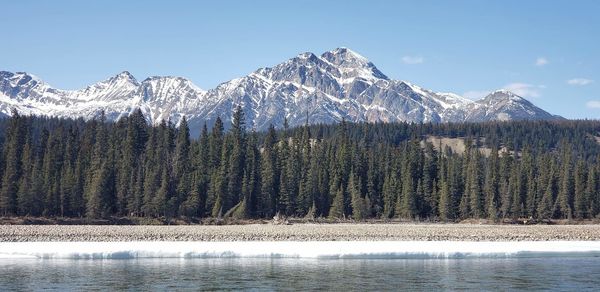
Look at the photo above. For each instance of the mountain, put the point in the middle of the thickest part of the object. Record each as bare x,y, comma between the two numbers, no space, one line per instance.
504,105
338,84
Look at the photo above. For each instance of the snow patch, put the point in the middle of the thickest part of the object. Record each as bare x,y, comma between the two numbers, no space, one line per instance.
295,249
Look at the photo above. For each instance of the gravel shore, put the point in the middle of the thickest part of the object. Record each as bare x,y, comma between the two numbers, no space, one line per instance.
299,232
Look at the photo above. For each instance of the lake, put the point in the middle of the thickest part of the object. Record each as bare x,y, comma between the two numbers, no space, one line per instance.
543,273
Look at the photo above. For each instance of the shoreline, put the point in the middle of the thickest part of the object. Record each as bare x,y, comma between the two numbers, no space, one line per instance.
298,232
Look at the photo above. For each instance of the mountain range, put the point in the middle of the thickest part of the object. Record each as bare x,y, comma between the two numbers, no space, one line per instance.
338,84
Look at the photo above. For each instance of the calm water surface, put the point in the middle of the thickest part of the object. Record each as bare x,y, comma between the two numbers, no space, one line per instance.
301,274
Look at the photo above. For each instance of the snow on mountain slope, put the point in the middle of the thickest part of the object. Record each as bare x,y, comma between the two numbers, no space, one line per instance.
338,84
504,105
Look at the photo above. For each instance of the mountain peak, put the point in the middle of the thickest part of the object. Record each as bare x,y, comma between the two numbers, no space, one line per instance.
346,54
171,83
352,64
18,79
306,55
122,79
503,94
339,84
125,74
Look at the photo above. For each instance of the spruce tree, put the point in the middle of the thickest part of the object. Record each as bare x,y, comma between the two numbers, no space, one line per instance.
12,172
359,208
182,168
490,188
269,175
580,199
474,191
565,193
237,160
337,206
25,197
592,193
390,195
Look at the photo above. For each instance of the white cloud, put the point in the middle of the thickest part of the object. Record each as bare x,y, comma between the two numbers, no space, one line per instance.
593,104
524,89
476,94
541,61
411,60
579,81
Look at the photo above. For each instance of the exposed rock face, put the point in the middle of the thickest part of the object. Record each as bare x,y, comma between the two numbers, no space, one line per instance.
339,84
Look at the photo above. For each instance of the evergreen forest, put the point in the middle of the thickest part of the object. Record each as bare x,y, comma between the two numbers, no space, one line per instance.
54,167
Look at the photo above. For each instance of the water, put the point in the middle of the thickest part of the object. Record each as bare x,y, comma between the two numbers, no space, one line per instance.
556,273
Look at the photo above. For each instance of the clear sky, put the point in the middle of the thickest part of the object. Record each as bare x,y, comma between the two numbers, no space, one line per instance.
547,51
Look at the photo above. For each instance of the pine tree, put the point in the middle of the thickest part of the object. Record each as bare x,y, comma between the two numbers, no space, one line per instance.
251,181
12,172
390,195
565,193
152,175
100,189
374,190
445,199
580,199
505,170
51,165
182,168
337,206
269,175
25,197
515,187
592,193
191,206
359,208
429,176
491,185
305,195
529,175
219,182
406,205
237,160
474,190
546,205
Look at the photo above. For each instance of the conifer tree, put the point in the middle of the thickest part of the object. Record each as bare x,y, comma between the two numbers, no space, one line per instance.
390,195
565,193
406,205
359,208
592,193
237,159
219,183
269,175
580,199
12,171
25,197
99,190
337,206
490,188
474,190
546,207
182,168
505,171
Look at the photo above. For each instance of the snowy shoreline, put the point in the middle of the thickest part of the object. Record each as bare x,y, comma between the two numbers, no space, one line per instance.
298,232
298,249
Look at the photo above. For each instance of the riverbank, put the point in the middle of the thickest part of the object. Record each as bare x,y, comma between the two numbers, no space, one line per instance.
300,232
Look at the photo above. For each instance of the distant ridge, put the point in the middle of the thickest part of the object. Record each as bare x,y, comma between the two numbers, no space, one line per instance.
338,84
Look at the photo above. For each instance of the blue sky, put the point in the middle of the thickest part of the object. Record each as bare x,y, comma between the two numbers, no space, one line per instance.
547,51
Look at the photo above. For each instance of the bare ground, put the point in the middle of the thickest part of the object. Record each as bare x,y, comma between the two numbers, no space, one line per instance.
299,232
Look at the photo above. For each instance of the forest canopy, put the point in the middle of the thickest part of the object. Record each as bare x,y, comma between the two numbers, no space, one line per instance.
97,169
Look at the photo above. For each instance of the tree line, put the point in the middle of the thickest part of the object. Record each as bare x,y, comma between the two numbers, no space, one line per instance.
97,169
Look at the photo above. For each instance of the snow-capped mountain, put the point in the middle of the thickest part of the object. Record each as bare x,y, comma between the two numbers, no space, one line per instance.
339,84
504,105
